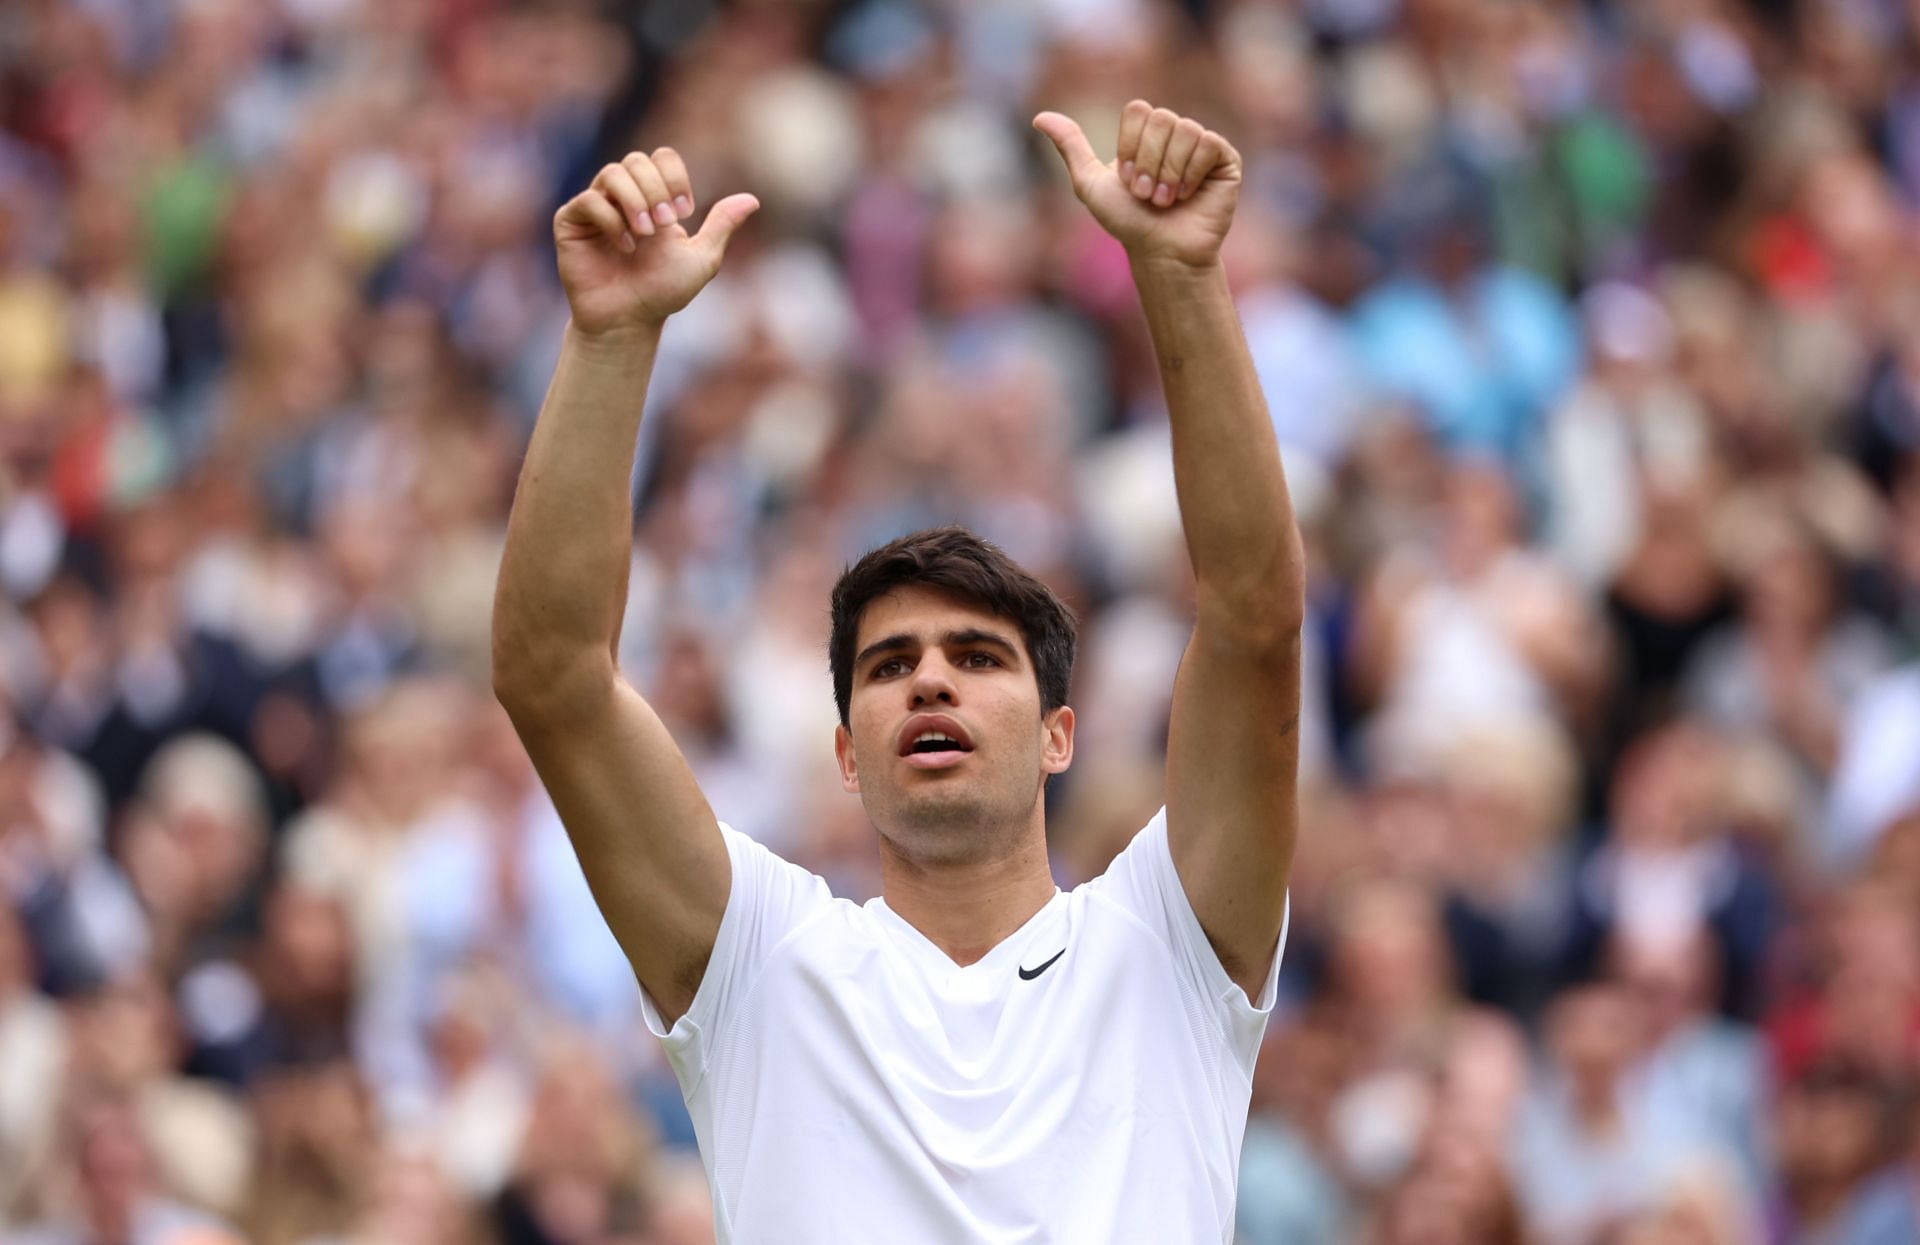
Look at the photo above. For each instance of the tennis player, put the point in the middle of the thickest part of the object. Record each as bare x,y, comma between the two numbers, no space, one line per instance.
977,1056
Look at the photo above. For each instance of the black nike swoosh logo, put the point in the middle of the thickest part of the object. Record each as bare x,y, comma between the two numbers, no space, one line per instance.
1028,974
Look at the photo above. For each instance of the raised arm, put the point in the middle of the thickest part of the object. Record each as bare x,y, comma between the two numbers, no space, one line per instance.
645,836
1233,749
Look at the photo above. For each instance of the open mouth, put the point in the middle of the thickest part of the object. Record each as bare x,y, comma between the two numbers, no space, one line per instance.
931,741
934,741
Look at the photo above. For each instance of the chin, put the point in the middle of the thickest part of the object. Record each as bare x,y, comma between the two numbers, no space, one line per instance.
922,821
941,812
947,826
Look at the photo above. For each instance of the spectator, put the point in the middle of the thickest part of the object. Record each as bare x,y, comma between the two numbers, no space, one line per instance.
1588,331
114,1193
1706,1068
1838,1129
1591,1149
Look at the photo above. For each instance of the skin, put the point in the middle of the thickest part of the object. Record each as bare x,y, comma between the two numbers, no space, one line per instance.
1168,197
646,837
963,846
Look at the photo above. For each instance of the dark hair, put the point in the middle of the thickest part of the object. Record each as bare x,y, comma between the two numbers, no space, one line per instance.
955,560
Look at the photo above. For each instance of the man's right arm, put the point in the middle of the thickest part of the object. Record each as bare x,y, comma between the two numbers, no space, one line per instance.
646,838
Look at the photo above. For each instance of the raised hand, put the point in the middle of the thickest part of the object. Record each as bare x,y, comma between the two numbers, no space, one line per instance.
625,259
1168,193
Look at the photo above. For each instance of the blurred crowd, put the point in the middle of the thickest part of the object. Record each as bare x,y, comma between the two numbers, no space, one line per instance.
1591,332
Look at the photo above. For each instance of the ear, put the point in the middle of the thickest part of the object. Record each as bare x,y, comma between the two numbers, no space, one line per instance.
843,756
1056,749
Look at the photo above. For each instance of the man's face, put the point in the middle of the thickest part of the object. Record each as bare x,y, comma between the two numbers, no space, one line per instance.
928,664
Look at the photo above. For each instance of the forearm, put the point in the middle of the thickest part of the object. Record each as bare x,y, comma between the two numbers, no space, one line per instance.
1234,506
560,595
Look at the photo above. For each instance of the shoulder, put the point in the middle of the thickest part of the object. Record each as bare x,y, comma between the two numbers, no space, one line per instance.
769,884
1137,855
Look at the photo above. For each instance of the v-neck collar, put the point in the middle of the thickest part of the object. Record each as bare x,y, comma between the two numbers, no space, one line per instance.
923,947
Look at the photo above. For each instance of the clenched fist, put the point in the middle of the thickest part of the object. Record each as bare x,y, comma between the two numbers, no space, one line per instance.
1168,193
625,259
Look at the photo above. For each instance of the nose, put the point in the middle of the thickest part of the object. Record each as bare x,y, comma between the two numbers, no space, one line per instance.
933,682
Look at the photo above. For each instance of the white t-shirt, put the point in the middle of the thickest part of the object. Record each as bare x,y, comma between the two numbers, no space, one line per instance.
1086,1081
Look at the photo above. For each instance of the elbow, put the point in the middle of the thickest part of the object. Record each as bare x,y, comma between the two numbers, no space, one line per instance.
533,679
513,683
1260,615
1260,629
511,660
1277,638
552,697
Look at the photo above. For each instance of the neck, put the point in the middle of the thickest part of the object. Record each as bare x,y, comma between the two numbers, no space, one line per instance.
967,908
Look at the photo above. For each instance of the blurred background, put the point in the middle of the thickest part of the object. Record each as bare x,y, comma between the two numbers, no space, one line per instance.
1591,331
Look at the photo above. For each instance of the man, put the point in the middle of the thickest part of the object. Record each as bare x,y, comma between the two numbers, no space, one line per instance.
975,1057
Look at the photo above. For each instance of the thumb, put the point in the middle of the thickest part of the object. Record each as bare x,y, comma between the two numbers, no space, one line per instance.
1071,142
722,219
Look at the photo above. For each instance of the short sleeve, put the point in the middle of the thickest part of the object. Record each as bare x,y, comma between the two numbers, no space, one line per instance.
1142,880
769,898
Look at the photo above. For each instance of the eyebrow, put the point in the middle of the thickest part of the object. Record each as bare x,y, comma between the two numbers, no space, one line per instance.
952,639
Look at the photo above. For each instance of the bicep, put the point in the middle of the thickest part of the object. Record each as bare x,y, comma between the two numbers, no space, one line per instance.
1233,752
646,838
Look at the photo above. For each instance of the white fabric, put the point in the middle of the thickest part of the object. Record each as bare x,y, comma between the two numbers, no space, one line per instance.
849,1083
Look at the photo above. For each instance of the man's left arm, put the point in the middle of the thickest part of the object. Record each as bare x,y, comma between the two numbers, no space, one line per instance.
1233,747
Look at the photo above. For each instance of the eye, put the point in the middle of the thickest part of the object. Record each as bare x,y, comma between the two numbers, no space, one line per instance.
980,660
891,666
